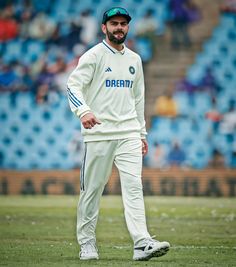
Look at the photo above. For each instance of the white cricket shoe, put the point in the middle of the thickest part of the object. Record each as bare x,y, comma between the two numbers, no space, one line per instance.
89,251
151,248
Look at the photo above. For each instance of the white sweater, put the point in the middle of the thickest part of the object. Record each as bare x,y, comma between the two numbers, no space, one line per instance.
110,84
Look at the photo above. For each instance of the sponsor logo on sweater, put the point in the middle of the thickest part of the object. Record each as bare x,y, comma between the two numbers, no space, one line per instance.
119,83
108,69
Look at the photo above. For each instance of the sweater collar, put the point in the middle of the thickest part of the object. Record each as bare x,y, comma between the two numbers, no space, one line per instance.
113,50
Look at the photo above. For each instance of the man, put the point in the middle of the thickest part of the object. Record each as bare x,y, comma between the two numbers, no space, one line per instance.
179,23
106,91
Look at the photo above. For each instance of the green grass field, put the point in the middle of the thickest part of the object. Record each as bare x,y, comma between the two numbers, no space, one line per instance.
40,231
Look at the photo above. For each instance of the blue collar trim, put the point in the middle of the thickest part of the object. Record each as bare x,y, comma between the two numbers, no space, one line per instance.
108,47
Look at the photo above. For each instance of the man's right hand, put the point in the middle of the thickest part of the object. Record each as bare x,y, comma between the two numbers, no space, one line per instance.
89,120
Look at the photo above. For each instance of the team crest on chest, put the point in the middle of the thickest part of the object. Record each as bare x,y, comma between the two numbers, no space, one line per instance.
131,69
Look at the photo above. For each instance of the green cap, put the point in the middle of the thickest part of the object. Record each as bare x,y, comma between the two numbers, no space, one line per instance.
115,11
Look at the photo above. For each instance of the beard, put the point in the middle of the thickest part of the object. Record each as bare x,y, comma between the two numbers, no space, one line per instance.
115,40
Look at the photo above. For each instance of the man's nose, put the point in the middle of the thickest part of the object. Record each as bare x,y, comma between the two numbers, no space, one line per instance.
120,25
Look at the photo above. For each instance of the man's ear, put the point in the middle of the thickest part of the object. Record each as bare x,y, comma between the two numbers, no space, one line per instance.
103,27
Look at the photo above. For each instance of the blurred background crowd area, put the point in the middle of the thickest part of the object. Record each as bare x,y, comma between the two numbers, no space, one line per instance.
188,51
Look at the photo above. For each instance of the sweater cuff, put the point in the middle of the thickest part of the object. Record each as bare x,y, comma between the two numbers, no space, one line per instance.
84,113
80,112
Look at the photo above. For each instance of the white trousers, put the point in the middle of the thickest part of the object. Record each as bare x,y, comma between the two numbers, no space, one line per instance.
97,167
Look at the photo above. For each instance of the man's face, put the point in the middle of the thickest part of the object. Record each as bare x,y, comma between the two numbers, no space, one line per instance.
116,29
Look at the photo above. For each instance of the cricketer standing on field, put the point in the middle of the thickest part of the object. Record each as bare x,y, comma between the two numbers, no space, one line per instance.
106,92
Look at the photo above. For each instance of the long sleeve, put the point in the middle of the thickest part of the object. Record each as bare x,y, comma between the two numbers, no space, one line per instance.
139,100
78,82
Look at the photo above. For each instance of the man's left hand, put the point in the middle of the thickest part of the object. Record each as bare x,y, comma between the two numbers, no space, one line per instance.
144,147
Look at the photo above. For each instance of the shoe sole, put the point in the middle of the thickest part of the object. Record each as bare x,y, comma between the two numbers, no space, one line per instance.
158,253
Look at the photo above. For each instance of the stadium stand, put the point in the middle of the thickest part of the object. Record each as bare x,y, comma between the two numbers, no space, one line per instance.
37,135
193,130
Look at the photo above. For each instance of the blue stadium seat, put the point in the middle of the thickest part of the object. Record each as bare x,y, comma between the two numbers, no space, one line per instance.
143,47
5,101
200,155
42,5
33,51
195,74
13,50
25,100
220,143
183,102
202,103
